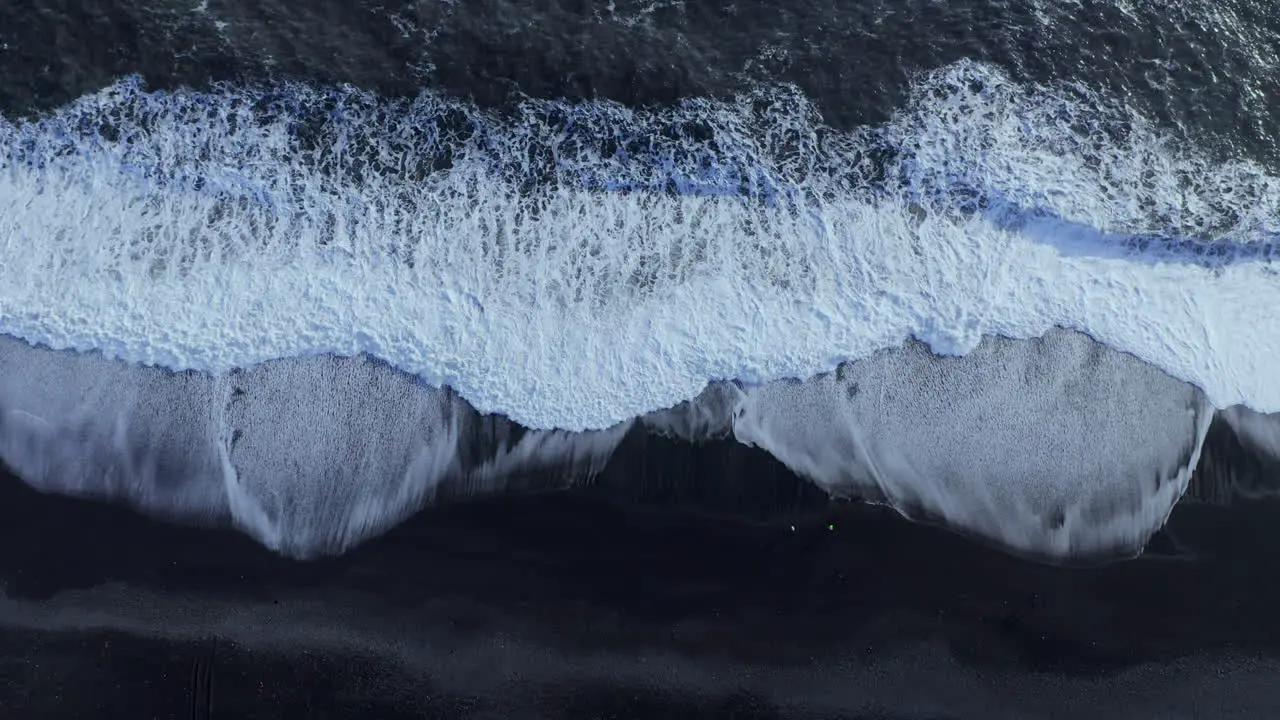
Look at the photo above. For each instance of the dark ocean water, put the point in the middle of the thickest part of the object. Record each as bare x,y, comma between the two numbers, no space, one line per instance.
1201,67
673,579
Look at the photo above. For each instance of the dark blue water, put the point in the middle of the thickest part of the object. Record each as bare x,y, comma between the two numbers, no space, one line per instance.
1204,68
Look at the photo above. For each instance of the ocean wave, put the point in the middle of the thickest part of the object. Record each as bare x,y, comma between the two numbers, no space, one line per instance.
307,455
1056,446
292,304
539,262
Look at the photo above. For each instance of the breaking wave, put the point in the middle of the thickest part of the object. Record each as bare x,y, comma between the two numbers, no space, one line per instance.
295,263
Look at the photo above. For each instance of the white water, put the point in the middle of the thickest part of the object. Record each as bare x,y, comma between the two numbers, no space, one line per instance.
211,239
578,266
1056,446
307,455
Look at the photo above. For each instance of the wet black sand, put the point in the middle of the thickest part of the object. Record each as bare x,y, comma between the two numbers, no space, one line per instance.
642,597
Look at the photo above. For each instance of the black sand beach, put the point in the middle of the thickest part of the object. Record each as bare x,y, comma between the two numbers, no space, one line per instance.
624,601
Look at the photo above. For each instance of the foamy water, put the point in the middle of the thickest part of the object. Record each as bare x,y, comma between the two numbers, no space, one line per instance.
578,266
1055,446
307,455
201,231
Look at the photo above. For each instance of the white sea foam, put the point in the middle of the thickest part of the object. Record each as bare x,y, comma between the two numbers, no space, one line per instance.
308,455
1057,446
522,261
576,266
